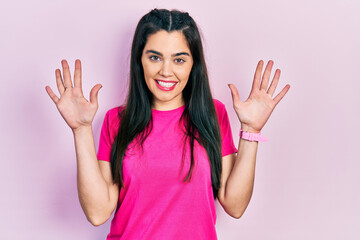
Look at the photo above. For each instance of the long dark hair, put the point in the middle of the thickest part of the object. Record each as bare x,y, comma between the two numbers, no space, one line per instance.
199,116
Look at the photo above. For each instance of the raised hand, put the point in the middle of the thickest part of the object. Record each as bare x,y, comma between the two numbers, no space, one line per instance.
73,107
256,110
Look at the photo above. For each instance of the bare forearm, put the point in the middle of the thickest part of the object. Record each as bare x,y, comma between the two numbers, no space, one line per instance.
92,188
240,183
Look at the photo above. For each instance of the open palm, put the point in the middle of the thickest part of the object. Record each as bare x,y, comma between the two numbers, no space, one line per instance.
256,110
73,107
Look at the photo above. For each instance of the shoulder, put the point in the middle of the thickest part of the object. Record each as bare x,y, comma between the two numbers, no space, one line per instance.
114,112
217,103
219,107
112,116
221,112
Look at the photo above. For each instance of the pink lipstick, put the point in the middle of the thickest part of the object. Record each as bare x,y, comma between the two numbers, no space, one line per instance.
165,85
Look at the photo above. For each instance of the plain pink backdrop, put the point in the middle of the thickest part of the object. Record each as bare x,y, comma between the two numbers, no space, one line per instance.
307,180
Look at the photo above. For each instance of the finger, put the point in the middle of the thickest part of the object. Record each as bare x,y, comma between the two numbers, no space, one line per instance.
66,72
94,94
77,74
281,94
59,82
274,82
234,94
257,76
52,94
266,76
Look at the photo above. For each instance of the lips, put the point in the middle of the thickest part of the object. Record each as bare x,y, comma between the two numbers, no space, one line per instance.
165,85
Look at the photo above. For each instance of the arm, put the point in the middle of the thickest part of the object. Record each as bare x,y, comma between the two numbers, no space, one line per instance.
238,173
237,178
97,195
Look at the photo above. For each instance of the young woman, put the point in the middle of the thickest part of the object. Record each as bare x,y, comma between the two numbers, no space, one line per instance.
168,152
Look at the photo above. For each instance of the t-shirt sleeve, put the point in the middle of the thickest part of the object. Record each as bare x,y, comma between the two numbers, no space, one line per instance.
108,133
227,141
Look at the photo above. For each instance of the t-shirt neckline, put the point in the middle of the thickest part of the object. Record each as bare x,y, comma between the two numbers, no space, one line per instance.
166,112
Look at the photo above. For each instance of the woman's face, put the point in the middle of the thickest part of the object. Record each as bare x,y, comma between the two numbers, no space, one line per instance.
167,63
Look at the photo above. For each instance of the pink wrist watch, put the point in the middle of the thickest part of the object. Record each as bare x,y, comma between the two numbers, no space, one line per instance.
252,136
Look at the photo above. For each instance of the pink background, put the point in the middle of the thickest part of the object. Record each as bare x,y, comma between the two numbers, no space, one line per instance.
307,176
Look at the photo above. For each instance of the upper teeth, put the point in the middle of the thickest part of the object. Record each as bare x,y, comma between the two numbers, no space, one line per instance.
166,84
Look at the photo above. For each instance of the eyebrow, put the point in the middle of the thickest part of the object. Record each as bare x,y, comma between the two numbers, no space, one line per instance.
174,55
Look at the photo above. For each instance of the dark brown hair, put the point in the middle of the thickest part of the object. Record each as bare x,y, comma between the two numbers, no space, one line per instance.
201,123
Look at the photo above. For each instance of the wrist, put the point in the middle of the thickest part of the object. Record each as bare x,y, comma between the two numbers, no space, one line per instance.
246,128
252,135
82,129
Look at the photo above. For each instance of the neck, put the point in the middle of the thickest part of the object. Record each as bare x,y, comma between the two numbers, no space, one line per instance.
166,106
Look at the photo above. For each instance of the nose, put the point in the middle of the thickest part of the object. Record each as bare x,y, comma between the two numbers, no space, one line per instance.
166,69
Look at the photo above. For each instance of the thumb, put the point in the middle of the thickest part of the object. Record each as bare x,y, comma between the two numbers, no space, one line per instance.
94,93
234,94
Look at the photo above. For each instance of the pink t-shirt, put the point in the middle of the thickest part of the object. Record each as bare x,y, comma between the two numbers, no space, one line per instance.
155,203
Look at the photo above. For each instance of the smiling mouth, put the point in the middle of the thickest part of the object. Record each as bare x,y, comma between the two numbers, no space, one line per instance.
165,84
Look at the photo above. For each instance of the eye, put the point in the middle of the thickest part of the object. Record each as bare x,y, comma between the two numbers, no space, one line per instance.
179,60
154,58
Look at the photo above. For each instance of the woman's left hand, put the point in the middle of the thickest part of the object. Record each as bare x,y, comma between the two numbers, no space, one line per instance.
256,110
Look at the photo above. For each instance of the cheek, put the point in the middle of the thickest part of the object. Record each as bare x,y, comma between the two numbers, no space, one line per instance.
182,72
149,69
186,73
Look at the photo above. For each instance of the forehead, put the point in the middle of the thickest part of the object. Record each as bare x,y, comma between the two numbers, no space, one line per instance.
167,43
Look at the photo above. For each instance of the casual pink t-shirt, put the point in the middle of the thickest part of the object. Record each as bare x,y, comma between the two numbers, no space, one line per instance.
155,203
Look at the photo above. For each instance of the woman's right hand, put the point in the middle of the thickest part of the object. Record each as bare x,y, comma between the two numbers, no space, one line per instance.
73,107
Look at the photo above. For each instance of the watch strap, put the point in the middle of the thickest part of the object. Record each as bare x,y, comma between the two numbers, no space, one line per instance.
252,136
